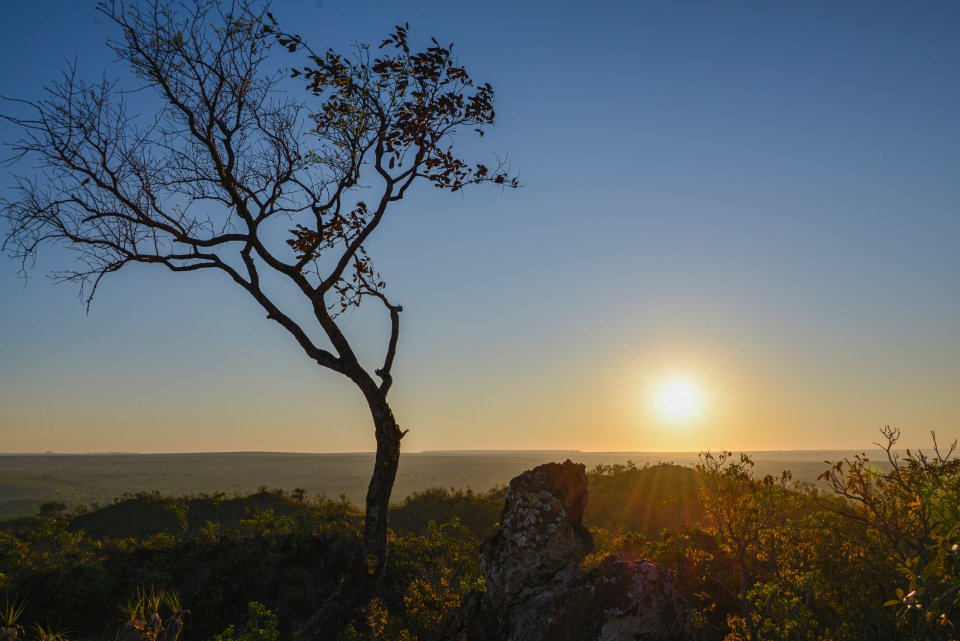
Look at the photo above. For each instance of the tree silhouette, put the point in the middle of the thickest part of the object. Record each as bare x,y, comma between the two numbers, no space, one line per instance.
228,168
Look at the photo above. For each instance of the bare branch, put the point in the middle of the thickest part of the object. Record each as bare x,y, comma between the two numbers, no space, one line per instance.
227,163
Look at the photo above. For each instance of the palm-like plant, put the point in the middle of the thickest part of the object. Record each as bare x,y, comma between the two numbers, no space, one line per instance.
141,616
9,615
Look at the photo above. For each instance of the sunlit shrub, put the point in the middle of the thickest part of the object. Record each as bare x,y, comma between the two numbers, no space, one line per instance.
266,523
438,569
913,510
377,625
261,625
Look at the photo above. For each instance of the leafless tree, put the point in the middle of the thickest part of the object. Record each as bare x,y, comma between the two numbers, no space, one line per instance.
228,164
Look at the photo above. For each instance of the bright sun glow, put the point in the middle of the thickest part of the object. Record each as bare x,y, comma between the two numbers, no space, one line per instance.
678,401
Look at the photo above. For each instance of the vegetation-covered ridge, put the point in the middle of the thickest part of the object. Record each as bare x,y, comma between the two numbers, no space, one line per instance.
876,556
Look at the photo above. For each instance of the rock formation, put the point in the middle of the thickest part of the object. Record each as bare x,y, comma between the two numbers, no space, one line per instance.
536,589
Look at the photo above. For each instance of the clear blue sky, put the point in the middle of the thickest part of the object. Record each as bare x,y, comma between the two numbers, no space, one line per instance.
761,197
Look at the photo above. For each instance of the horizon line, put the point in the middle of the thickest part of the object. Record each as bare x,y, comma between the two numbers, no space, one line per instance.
446,451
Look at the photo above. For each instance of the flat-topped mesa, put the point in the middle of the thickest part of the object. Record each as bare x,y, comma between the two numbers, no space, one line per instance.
536,589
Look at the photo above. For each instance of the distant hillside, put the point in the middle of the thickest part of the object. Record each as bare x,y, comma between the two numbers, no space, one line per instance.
28,481
143,515
477,511
644,500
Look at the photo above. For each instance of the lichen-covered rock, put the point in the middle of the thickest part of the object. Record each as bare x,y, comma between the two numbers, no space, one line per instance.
541,530
639,601
536,589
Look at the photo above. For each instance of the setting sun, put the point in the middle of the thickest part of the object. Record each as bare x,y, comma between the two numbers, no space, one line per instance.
678,401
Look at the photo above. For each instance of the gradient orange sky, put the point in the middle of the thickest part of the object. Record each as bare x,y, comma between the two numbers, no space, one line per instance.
763,198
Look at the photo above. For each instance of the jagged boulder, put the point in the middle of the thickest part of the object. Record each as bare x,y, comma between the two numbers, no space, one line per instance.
638,601
541,531
536,589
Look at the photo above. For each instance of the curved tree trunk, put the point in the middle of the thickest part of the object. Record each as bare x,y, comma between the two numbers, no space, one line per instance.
362,581
388,436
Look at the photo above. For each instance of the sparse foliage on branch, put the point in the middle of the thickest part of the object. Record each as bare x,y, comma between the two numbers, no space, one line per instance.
399,111
229,174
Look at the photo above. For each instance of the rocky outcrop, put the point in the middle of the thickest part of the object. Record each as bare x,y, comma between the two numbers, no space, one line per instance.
536,589
541,532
